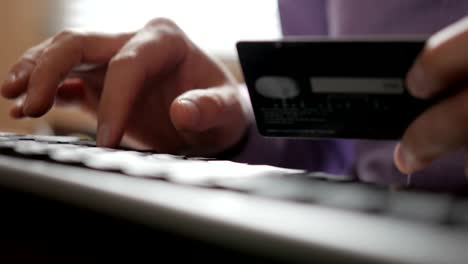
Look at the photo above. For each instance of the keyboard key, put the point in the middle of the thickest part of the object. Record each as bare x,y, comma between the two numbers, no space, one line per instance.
75,153
458,215
328,176
427,207
147,169
306,189
51,139
356,196
208,173
164,157
7,144
31,148
110,160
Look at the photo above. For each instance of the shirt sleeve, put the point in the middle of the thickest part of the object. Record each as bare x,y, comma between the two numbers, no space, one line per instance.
303,17
370,161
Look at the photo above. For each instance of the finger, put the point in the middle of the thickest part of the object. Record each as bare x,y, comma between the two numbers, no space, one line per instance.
17,78
66,51
16,110
154,51
85,86
202,109
441,129
209,119
71,91
442,63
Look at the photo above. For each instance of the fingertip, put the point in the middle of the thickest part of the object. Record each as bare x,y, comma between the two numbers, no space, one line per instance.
16,112
7,83
405,161
16,81
11,87
398,160
421,84
109,133
185,114
103,136
36,109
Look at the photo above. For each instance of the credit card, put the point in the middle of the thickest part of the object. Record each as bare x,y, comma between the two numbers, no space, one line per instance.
327,88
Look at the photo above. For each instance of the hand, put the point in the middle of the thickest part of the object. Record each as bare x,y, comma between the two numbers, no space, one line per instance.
442,66
154,86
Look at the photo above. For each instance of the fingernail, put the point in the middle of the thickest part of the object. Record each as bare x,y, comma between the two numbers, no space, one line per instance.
406,157
15,76
12,77
20,101
192,110
420,83
17,111
25,104
27,110
103,135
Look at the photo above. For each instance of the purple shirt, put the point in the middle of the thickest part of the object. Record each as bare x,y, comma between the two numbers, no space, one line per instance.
367,160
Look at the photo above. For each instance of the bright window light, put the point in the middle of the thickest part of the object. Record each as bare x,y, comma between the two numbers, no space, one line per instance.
215,25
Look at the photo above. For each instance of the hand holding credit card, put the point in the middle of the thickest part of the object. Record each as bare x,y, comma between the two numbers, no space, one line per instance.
411,90
331,88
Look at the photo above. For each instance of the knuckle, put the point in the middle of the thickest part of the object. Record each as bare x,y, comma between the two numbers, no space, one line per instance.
66,42
163,36
67,34
167,30
124,59
442,51
44,59
30,56
45,52
33,53
161,21
175,41
174,38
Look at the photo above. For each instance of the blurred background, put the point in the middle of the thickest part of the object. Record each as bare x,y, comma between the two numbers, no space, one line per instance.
214,25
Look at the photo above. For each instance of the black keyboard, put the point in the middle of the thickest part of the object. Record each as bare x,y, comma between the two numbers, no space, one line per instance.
334,191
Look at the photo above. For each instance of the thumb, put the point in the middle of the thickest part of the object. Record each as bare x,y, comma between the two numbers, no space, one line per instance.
202,109
210,120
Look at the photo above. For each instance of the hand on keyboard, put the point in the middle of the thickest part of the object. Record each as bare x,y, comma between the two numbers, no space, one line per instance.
154,86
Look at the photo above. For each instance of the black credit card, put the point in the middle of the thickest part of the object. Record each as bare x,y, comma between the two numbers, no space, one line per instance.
331,88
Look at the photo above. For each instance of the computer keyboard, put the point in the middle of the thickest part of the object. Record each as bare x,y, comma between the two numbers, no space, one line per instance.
333,191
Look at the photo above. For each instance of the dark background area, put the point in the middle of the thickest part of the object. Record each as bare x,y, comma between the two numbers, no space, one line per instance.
35,229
